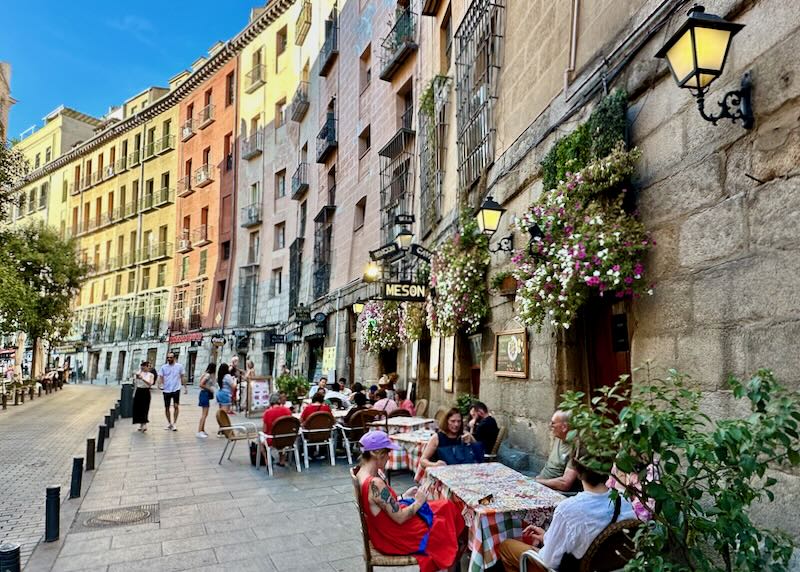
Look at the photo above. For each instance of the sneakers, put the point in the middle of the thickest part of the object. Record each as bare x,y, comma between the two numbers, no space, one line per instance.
202,435
174,428
168,427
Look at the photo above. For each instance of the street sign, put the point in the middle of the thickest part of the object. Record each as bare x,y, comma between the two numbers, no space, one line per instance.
405,291
386,251
421,252
320,317
277,339
217,341
402,219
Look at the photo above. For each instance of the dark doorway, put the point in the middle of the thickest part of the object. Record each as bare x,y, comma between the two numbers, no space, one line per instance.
192,366
388,361
606,342
121,365
315,359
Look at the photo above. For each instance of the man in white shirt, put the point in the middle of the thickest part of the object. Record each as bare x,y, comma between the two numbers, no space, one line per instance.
170,379
577,521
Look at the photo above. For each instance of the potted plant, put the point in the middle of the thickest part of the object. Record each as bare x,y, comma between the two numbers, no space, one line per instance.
504,284
292,385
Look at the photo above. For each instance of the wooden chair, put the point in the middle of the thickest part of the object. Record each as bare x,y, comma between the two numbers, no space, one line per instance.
318,429
353,432
373,558
440,414
400,413
421,407
371,416
285,433
610,551
243,431
492,455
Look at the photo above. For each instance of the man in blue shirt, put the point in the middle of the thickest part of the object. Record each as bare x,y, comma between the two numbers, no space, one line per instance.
170,379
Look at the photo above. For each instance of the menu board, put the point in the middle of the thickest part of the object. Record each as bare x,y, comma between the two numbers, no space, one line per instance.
258,399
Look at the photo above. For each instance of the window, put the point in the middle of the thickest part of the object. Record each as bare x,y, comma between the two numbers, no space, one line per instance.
228,152
38,161
162,276
226,250
276,283
365,69
252,251
131,282
48,154
206,156
64,189
43,195
280,44
222,285
364,142
280,184
446,42
230,89
146,278
31,200
184,268
118,285
280,236
280,113
361,209
301,226
203,263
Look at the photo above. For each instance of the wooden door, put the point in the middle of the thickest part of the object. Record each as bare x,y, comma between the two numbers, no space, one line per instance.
607,343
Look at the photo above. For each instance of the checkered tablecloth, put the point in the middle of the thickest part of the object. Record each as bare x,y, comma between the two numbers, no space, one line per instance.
518,501
404,424
411,447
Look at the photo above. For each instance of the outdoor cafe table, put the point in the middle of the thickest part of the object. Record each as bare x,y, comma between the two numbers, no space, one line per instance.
411,446
338,414
404,424
517,499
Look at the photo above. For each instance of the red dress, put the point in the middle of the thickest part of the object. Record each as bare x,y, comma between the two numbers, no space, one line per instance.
395,539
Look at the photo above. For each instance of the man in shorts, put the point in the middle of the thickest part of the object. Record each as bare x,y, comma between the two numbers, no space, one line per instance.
170,378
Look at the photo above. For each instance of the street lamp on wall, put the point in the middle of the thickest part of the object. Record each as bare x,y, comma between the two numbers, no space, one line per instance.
488,219
404,238
696,55
372,272
358,307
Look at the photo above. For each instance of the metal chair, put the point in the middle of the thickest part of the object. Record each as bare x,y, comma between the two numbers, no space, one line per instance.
421,407
243,431
371,416
352,433
400,413
318,429
492,456
285,432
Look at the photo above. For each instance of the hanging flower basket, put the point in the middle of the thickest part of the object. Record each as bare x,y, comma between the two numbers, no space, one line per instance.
379,325
589,244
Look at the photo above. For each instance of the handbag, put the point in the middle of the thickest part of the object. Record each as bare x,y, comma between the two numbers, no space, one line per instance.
462,454
254,452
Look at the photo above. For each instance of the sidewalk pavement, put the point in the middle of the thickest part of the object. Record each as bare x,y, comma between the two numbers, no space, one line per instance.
210,517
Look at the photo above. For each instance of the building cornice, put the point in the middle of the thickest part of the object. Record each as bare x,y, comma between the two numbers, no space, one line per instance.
231,50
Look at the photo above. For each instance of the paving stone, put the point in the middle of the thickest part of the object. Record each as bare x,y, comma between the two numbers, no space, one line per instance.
107,557
157,536
171,563
195,543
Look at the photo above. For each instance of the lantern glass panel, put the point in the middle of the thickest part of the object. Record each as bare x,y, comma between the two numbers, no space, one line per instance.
681,58
712,47
489,220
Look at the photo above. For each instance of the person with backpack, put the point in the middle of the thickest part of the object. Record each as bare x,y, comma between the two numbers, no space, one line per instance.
206,395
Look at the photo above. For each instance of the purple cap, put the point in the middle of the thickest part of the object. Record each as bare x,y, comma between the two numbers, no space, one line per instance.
374,440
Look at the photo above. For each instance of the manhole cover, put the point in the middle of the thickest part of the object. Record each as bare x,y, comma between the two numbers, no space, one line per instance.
120,516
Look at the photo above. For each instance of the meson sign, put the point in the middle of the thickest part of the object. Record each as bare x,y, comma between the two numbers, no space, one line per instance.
404,291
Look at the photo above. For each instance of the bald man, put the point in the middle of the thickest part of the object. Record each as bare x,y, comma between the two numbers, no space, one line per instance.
556,474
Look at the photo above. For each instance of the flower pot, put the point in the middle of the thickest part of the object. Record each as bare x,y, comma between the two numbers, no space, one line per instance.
508,287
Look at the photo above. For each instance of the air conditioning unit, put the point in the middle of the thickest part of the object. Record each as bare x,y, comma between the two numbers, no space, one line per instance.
187,131
185,243
201,176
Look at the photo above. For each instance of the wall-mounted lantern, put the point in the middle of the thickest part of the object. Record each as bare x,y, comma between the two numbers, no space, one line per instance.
358,307
404,238
696,55
488,218
372,272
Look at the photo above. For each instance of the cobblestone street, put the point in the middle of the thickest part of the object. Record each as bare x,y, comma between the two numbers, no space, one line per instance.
37,443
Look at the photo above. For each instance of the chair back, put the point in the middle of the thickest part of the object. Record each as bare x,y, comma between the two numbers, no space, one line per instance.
285,431
361,513
501,434
224,421
335,401
440,415
318,427
355,430
421,407
400,413
612,548
370,416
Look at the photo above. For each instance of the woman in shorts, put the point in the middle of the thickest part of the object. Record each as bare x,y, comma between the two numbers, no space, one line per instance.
227,386
206,395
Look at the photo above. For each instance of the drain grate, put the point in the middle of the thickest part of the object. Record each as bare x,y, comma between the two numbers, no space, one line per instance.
119,516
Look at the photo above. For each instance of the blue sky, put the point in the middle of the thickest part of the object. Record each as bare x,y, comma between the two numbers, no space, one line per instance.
89,55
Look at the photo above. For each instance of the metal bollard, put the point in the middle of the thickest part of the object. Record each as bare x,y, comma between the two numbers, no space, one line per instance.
90,454
31,392
77,475
9,557
107,431
52,519
101,437
16,397
112,417
39,391
108,425
5,401
22,395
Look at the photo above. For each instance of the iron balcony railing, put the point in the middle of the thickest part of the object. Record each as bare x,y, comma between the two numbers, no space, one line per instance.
300,181
251,215
303,24
255,78
322,279
185,186
157,198
206,115
253,145
203,176
74,189
200,235
131,209
133,158
86,182
330,48
184,241
177,325
155,251
326,139
300,102
187,129
130,258
97,177
165,143
109,171
399,44
195,321
149,150
121,164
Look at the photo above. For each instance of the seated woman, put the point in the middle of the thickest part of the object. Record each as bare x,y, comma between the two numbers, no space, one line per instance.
317,404
384,403
427,530
447,445
405,403
361,404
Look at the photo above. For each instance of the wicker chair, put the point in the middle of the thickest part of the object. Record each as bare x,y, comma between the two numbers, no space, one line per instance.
243,431
285,432
440,414
373,558
318,429
492,455
421,407
610,551
400,413
371,416
352,433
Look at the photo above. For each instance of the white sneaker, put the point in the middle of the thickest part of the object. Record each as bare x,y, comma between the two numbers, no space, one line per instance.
174,427
202,435
168,427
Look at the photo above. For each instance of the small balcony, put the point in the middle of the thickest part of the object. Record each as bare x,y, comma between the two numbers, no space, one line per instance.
121,165
109,171
200,236
187,129
185,186
326,139
255,78
251,215
131,209
177,325
430,7
300,102
155,251
206,116
195,321
164,144
149,151
300,181
97,177
130,259
203,176
253,146
164,196
303,24
184,242
330,48
74,189
86,182
118,213
399,44
133,158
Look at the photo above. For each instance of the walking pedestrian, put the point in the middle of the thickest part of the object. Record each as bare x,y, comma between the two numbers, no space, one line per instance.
207,383
143,381
227,385
171,377
236,373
